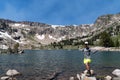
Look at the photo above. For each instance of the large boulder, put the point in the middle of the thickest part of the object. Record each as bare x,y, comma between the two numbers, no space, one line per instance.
116,72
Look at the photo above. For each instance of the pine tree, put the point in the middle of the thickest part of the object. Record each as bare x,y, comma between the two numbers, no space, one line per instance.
105,40
116,44
16,46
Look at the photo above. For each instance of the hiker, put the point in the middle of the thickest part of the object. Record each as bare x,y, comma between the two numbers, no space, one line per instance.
87,58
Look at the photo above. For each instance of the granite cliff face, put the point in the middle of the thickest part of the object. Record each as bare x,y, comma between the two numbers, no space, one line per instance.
29,34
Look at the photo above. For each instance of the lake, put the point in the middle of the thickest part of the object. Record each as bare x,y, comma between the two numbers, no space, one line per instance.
41,64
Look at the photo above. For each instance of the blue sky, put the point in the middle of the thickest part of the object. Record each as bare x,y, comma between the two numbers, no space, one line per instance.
63,12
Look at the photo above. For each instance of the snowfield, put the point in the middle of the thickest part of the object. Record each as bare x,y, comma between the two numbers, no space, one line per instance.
41,37
7,36
54,26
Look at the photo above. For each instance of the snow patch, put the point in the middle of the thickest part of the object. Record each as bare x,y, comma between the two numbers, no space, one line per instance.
19,25
61,38
3,47
41,37
75,25
51,37
54,26
28,29
84,34
57,39
7,36
16,24
91,25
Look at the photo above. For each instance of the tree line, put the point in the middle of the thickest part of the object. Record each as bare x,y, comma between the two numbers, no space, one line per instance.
105,40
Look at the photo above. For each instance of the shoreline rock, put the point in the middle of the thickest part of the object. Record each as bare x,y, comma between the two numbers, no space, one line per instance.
12,72
83,76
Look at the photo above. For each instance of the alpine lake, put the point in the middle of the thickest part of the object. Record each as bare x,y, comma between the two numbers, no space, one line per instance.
42,64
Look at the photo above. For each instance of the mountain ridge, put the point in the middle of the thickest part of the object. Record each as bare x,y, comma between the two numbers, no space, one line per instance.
35,34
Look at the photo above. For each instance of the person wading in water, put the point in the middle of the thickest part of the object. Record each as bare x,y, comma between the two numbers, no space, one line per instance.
87,58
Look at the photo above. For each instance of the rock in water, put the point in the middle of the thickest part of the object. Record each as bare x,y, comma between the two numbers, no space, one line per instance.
4,78
71,78
116,78
12,72
92,72
12,79
90,78
83,76
116,72
108,77
85,72
78,76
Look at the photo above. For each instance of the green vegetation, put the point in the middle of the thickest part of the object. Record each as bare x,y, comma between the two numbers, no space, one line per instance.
10,50
116,43
116,40
110,37
105,40
16,46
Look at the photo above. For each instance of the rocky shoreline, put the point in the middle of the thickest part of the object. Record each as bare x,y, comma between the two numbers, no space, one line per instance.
83,76
13,74
105,49
92,48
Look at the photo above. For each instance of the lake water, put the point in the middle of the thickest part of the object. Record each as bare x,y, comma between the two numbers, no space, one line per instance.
41,64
